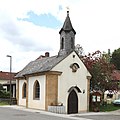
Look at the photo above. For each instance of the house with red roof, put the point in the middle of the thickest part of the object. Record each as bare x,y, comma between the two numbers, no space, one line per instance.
5,81
109,96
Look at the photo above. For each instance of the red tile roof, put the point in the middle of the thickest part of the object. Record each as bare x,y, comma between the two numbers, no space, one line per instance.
6,75
116,75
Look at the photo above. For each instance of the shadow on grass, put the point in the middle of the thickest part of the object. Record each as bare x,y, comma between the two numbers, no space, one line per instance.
109,107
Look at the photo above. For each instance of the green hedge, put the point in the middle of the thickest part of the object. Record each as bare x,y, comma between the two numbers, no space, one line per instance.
4,94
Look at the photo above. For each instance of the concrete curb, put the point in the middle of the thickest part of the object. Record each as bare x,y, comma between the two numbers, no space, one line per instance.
70,116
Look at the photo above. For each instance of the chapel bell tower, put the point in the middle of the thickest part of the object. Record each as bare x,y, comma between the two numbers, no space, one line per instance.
67,37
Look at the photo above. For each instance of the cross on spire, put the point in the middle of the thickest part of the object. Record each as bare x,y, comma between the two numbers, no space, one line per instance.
68,10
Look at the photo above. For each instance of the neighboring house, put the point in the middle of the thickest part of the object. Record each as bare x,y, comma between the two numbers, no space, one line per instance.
5,81
109,96
61,80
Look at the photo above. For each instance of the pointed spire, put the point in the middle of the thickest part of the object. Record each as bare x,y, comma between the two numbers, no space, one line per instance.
67,37
67,26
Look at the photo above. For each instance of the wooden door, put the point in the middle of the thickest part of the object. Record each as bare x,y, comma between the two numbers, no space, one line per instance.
72,102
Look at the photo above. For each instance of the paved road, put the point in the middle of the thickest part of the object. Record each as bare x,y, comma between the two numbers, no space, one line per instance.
9,113
19,113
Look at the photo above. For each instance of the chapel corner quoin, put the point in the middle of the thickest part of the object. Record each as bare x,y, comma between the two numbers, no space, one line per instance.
56,83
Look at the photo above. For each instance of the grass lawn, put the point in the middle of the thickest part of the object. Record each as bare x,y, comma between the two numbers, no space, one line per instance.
109,107
3,103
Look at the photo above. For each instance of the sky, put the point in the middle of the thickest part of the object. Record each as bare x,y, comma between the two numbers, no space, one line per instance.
29,28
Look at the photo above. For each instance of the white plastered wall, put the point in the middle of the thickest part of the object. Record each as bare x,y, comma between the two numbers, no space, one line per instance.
4,81
34,103
22,101
69,79
116,95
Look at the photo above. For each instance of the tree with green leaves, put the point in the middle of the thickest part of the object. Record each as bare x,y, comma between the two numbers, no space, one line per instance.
116,58
1,87
100,69
3,93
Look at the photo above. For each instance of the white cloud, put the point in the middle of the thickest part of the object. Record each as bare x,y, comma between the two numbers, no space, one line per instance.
24,41
95,21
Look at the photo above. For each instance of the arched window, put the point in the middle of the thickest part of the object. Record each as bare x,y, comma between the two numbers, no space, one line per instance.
24,90
74,67
72,43
62,43
36,90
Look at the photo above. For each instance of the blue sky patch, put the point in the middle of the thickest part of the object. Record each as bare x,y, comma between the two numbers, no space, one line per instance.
46,20
60,7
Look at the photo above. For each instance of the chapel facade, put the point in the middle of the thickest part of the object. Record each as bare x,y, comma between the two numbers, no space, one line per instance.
62,81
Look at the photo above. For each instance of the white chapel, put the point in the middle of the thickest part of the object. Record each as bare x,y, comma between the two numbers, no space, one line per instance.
61,80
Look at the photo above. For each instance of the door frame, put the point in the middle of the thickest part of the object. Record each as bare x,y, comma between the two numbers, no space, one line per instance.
72,100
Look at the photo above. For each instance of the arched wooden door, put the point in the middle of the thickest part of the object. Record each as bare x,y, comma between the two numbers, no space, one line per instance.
72,102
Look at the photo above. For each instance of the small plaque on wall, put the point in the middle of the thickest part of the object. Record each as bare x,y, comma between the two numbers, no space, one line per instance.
94,98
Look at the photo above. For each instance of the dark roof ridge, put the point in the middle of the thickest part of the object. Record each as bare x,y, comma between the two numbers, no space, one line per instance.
40,65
